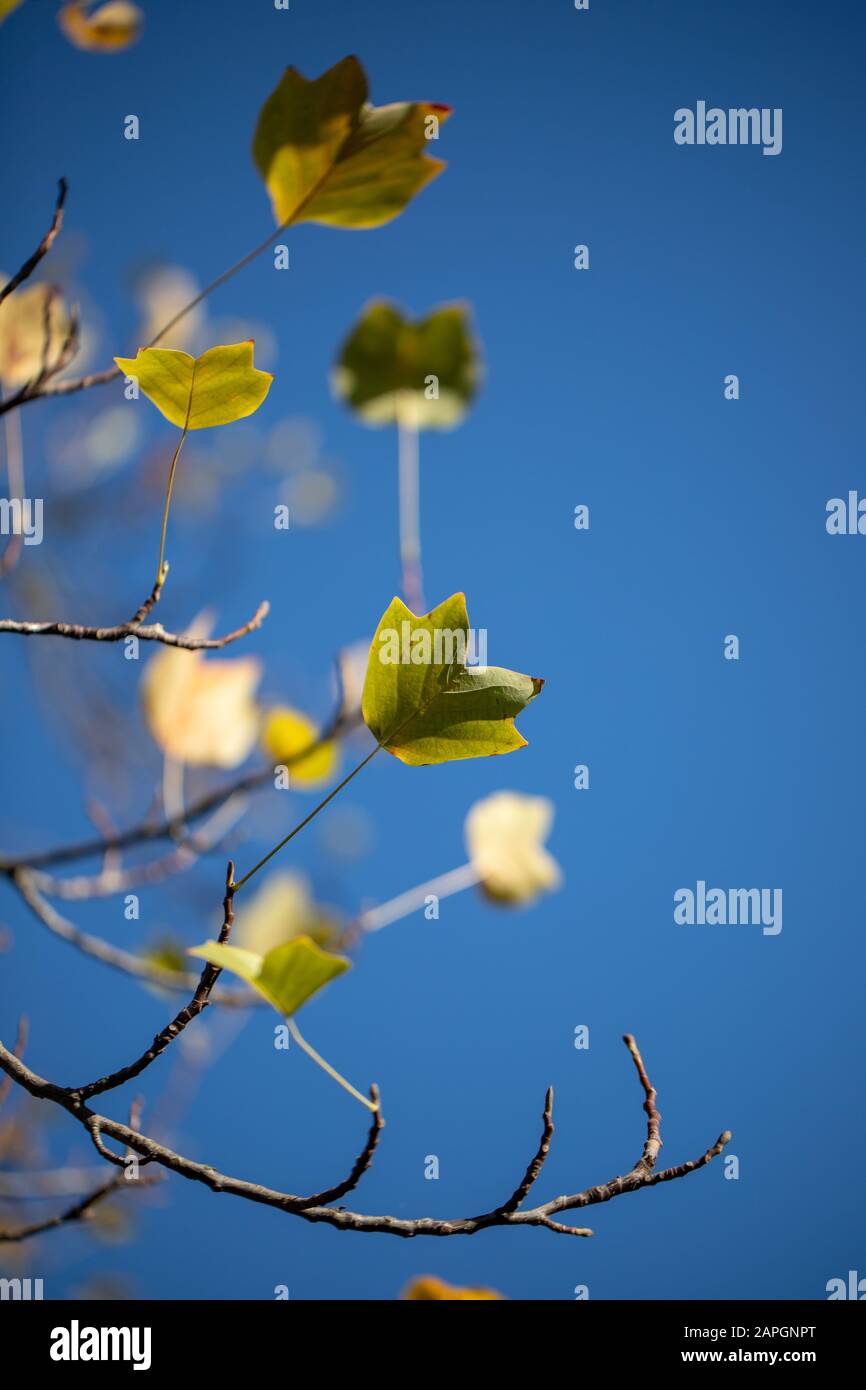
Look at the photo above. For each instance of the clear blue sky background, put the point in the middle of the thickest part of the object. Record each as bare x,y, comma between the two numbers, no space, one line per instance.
707,518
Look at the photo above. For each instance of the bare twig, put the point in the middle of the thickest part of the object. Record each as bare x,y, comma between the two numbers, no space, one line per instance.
42,249
152,632
197,1004
171,828
83,1208
18,1051
150,972
339,1217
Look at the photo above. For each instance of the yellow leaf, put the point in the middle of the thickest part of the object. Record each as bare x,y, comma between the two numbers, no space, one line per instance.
286,976
504,836
107,29
199,710
24,344
427,1286
197,393
282,910
327,155
287,733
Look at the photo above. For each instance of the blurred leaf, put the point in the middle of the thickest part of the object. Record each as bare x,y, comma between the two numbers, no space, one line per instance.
197,393
424,373
107,29
423,704
168,953
281,911
427,1286
286,733
327,155
7,6
201,710
504,835
24,342
286,976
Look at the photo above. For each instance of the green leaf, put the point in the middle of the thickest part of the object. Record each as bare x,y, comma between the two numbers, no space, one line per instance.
198,392
386,364
327,155
423,704
286,976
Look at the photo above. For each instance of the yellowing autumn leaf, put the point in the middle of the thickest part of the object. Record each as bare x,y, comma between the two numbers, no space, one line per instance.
428,1287
327,155
286,733
286,976
424,704
505,836
7,6
34,326
282,910
421,372
196,393
106,29
201,710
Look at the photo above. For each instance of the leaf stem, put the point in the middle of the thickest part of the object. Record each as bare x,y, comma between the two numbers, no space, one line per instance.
443,886
315,811
326,1066
410,506
162,567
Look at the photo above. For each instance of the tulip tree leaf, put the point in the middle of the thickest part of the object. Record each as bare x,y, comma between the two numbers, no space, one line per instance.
423,704
423,372
286,976
327,155
198,392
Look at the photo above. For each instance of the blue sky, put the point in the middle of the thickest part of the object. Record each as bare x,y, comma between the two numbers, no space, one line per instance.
707,518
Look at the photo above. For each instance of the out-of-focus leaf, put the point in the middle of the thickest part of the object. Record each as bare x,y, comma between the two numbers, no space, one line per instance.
285,734
282,910
327,155
197,393
427,1286
7,6
286,976
505,836
201,710
423,704
106,29
34,324
423,372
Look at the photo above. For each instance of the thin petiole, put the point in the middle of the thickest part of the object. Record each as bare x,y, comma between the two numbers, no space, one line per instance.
315,811
326,1066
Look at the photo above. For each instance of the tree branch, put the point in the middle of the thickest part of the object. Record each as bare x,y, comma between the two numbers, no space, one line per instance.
174,827
42,249
83,1208
152,632
317,1211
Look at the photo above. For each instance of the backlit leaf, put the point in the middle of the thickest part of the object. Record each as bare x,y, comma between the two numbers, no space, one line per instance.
286,976
505,836
34,324
282,910
287,733
199,709
423,704
327,155
424,372
197,393
106,29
